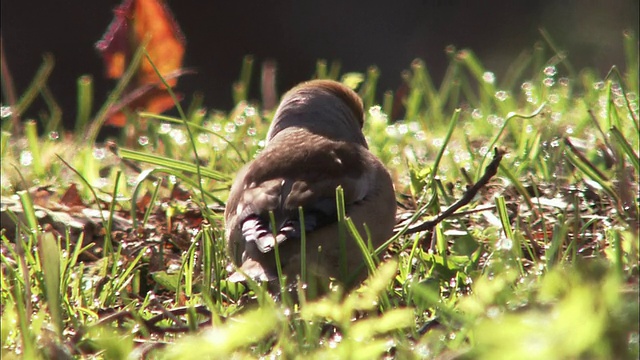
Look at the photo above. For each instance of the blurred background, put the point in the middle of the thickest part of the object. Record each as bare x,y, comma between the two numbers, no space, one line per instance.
295,34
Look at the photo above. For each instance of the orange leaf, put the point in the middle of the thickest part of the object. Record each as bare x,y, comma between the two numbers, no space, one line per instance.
134,21
166,45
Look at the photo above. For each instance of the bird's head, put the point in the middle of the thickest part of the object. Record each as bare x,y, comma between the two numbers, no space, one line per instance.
323,107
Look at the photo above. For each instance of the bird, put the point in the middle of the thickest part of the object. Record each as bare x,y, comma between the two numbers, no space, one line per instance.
314,144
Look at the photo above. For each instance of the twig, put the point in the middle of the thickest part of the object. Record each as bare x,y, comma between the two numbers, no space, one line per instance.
489,172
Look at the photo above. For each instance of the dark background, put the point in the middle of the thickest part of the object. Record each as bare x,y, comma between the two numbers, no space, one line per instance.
389,34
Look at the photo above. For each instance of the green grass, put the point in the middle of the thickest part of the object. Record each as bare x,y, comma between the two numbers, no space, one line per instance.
542,264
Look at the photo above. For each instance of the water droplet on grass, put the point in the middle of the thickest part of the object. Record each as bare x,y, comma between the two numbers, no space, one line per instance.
164,128
550,70
178,136
240,120
230,128
526,86
5,111
143,140
489,77
501,95
99,153
391,130
504,244
203,138
26,158
493,312
250,111
495,120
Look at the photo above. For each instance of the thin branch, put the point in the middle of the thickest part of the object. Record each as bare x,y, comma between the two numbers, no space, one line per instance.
490,171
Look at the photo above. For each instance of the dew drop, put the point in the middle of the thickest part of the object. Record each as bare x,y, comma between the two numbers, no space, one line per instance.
203,138
548,82
526,86
403,129
489,77
495,120
26,158
178,136
619,101
230,128
164,128
5,111
493,312
99,153
504,244
143,140
550,70
391,130
502,95
240,120
54,135
101,182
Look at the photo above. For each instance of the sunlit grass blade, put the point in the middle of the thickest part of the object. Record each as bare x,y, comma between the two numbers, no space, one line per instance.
626,148
241,87
342,233
31,133
276,251
630,42
303,246
185,121
85,102
173,164
50,258
39,81
52,122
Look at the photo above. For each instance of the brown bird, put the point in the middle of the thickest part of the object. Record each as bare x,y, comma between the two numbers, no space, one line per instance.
315,144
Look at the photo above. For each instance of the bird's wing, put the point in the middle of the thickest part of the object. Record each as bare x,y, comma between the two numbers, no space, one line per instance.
281,180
